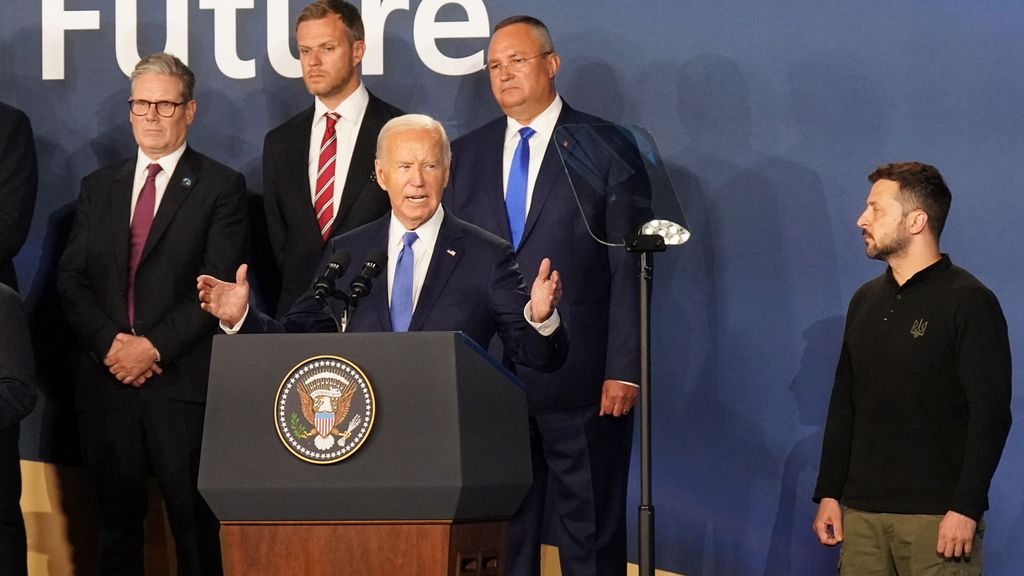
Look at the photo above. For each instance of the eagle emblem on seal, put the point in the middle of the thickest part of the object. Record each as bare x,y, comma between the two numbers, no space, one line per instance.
324,409
323,403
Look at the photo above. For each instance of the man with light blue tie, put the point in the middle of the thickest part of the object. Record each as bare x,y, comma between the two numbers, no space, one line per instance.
442,273
508,179
518,178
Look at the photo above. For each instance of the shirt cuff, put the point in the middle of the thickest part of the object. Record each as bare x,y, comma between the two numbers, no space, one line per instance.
547,327
234,329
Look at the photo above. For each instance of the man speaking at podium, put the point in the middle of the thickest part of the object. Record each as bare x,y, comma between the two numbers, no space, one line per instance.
442,273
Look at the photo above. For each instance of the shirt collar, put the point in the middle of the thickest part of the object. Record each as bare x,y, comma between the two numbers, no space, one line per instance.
922,276
544,123
350,107
167,162
426,232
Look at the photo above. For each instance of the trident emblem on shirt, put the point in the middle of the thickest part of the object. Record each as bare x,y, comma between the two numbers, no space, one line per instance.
917,330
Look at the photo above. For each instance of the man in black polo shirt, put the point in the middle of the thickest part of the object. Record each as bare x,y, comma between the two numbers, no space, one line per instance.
920,406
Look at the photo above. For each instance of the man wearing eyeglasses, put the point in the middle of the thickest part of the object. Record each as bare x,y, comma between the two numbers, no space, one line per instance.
144,228
508,179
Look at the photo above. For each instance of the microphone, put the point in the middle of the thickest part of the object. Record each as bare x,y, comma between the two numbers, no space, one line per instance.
362,284
336,267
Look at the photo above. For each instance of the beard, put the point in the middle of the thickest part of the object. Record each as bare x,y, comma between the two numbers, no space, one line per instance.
883,249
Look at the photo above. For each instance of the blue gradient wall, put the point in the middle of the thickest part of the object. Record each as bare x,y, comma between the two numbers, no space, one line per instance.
770,116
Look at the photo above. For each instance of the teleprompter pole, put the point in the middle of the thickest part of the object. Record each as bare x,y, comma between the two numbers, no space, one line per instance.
646,245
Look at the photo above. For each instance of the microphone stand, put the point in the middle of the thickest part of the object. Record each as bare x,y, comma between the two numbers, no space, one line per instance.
339,325
351,305
343,323
646,245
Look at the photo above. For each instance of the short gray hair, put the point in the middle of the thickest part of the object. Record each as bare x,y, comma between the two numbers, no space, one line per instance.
535,24
414,122
168,65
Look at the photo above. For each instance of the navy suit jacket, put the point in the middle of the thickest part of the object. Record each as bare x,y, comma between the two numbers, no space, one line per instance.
473,286
200,227
600,305
18,181
291,219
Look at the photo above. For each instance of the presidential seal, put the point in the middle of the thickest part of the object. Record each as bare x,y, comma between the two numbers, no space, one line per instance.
324,409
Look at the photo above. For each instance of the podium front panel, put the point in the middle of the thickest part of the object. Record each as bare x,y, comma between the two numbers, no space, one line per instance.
449,439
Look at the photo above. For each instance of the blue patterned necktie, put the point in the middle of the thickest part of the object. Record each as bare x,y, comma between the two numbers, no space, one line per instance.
515,194
401,288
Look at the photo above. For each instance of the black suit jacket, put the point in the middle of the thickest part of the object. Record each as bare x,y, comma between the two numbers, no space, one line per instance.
17,397
473,285
291,221
601,301
17,375
18,181
200,227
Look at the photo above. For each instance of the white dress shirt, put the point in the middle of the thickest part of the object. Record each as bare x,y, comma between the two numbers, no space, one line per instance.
167,164
422,250
351,110
544,126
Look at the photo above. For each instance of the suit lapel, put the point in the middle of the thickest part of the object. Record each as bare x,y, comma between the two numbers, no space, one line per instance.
182,181
447,252
295,166
551,171
121,216
360,166
493,189
379,295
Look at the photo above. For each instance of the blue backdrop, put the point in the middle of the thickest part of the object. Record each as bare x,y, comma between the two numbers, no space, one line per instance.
770,116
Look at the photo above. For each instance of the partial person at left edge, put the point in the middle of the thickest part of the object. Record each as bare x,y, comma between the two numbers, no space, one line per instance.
144,228
18,181
17,398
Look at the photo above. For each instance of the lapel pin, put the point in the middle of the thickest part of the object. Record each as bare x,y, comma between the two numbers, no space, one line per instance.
451,252
186,182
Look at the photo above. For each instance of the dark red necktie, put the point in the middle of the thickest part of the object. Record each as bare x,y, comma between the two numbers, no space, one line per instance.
323,201
142,221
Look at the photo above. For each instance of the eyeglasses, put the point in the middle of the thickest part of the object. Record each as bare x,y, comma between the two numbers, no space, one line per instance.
163,107
515,64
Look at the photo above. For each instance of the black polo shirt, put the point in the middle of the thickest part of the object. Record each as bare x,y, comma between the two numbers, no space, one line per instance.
920,407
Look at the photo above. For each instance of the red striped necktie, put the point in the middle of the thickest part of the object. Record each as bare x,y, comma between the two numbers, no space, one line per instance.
323,201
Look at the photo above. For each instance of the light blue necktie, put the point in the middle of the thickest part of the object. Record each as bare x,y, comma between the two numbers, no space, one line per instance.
515,194
401,288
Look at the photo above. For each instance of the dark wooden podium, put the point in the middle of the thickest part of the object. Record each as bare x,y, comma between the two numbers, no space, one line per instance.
464,548
443,466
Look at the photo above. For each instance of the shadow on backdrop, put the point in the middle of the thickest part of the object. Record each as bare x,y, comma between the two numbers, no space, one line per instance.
759,271
794,548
